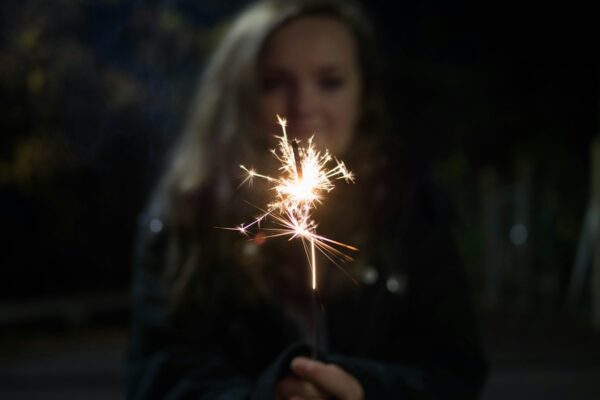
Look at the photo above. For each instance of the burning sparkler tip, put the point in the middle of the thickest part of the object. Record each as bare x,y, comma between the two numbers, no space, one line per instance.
296,154
281,121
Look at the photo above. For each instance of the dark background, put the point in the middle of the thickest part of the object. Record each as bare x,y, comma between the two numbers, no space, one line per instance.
498,102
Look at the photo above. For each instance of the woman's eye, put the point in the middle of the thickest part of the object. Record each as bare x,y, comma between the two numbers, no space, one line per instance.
331,83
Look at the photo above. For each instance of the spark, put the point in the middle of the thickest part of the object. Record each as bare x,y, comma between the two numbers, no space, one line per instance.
305,178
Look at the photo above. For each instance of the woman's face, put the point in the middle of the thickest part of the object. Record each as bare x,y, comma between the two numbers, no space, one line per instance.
309,74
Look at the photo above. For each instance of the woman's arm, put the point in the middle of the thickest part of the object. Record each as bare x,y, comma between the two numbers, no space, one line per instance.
164,359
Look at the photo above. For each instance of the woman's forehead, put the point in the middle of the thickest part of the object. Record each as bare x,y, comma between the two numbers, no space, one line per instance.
310,42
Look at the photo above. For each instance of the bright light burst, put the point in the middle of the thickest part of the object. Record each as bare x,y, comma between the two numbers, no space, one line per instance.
305,178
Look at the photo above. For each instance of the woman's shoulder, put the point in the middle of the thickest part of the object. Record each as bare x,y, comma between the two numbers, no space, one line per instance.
152,224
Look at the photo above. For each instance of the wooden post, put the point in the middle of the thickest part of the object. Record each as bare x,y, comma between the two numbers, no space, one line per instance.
521,234
595,205
488,183
588,250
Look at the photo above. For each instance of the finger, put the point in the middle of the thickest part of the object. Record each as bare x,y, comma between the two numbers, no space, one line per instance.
328,377
293,386
307,398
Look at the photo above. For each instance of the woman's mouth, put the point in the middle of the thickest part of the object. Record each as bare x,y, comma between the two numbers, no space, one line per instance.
302,130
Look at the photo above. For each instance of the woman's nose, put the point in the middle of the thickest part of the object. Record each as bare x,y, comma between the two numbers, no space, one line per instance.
303,101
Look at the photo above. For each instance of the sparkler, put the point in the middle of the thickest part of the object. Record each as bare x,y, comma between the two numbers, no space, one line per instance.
305,178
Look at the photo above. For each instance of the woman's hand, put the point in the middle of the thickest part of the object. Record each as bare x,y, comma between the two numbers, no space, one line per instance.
294,388
316,380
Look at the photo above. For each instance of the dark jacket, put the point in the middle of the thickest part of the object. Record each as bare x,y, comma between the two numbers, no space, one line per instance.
409,332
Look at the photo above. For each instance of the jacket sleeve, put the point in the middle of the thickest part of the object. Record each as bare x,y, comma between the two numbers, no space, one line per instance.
164,361
434,328
432,345
169,361
425,341
445,334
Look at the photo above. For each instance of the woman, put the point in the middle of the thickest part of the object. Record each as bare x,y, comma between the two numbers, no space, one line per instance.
218,316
